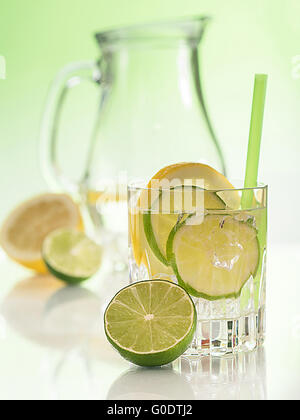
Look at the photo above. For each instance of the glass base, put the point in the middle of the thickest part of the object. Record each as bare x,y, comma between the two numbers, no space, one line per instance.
228,336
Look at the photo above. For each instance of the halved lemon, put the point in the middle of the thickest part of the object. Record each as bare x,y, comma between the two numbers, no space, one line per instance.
214,259
25,229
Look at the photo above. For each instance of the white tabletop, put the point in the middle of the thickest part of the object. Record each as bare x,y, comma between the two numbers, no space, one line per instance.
53,347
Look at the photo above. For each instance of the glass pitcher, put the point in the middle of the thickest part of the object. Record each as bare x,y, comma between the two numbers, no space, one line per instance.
151,114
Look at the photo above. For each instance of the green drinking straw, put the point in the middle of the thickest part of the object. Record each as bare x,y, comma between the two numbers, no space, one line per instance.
257,115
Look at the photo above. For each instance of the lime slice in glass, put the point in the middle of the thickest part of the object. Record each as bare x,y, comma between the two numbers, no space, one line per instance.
214,259
71,256
172,206
151,323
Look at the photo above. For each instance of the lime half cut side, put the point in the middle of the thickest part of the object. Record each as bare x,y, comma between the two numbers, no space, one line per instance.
71,256
151,323
214,259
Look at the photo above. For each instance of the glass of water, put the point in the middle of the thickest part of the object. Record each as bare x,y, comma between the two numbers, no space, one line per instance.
207,243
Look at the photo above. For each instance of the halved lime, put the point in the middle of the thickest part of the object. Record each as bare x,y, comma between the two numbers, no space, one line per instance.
71,256
171,207
214,259
151,323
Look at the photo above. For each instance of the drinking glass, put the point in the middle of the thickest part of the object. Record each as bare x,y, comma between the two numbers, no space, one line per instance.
207,243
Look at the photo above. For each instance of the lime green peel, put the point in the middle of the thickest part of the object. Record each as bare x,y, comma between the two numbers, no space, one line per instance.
151,323
71,256
257,115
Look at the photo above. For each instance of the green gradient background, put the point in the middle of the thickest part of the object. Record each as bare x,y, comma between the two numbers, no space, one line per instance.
38,37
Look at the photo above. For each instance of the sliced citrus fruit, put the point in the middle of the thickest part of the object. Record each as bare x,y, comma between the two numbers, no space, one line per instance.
214,259
71,256
25,229
178,174
142,252
182,173
170,208
151,323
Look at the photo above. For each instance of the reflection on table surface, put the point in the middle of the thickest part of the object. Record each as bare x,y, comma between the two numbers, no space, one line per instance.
65,323
238,377
234,378
45,310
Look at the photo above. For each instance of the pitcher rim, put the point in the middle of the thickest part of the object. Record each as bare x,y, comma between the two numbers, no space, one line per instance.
156,29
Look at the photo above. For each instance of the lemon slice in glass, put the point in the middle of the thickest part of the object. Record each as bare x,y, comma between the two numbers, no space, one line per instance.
192,172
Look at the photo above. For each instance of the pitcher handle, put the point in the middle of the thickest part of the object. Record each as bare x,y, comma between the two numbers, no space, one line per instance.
68,78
